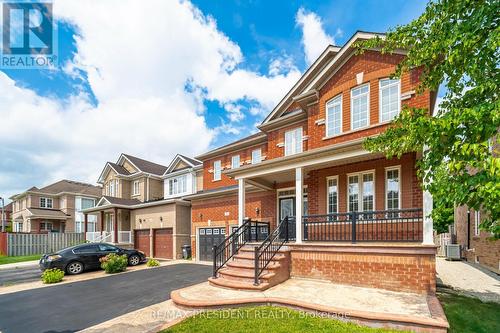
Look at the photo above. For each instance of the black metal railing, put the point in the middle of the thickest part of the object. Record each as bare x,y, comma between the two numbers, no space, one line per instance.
401,225
266,251
249,231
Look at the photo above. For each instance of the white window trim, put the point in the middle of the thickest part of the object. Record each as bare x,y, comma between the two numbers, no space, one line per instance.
298,144
328,193
360,184
397,167
367,107
477,222
380,99
232,161
45,226
219,176
134,183
46,201
180,190
260,154
327,117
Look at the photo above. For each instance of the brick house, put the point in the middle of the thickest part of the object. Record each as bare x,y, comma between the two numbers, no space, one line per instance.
56,207
141,205
7,217
334,210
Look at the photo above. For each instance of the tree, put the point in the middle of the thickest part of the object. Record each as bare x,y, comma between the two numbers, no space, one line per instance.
455,42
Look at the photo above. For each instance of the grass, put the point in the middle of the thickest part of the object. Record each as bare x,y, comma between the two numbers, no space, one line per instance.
266,319
10,260
466,314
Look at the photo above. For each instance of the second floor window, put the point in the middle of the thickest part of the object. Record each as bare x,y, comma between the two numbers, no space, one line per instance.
87,203
256,156
293,141
135,187
46,203
235,161
334,116
390,99
359,106
177,185
217,170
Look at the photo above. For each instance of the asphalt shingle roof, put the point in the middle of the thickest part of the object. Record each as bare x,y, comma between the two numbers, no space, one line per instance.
147,166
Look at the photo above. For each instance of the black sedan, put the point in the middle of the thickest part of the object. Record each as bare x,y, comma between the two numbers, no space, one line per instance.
76,259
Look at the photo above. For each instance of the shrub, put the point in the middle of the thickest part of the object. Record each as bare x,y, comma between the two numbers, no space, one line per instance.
153,263
52,275
113,263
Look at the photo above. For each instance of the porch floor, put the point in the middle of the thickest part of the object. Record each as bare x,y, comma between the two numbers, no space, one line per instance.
373,307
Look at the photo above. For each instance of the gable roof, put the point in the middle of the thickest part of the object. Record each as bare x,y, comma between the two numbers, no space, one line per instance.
250,140
66,186
117,201
322,68
145,166
191,162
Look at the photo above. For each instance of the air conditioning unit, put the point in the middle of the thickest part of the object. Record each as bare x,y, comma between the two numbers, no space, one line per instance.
453,251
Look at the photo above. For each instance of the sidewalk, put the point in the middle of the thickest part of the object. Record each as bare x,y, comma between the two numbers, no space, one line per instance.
22,264
469,279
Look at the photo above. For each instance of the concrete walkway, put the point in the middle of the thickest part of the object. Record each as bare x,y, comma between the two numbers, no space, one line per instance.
369,306
469,279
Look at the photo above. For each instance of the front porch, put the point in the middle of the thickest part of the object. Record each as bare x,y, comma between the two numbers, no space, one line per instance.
114,227
351,217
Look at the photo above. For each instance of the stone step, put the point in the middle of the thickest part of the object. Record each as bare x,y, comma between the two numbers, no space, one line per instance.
238,285
250,264
251,256
245,275
246,249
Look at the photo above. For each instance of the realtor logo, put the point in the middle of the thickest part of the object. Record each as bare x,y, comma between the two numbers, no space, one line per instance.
28,35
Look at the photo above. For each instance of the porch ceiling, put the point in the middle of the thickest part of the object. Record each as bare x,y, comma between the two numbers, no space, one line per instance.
288,174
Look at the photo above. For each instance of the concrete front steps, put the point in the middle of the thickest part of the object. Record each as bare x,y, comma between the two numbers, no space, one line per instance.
238,273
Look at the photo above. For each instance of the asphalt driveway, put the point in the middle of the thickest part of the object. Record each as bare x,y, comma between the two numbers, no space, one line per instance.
75,306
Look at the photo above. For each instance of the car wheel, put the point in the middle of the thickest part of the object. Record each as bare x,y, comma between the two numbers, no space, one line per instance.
134,260
74,268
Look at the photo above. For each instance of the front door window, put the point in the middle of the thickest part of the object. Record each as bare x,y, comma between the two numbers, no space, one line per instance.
287,207
109,223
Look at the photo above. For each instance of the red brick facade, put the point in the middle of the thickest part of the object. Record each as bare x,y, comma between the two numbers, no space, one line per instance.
406,269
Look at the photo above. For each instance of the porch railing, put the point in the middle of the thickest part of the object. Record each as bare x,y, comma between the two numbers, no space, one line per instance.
124,236
92,236
249,231
271,245
401,225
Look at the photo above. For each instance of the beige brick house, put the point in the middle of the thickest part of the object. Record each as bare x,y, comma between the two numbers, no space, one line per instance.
142,206
56,207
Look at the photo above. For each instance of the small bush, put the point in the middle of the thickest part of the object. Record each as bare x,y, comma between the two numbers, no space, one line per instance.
52,275
153,263
113,263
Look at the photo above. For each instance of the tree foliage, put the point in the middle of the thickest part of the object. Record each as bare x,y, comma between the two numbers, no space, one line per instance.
455,42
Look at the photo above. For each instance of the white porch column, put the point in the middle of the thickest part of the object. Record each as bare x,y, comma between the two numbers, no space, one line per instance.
298,205
428,237
241,201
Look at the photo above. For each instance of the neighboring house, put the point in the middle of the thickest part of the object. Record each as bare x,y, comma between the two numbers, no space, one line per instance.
307,163
7,217
56,207
477,245
141,204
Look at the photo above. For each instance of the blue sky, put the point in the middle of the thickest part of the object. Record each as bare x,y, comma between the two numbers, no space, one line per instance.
153,79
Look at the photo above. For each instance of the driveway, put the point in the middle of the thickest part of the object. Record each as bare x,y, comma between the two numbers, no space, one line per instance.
75,306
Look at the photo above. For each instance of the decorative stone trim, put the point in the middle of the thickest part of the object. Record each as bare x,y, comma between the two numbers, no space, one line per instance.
320,122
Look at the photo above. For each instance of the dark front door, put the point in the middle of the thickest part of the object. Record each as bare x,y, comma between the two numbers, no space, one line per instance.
208,237
287,208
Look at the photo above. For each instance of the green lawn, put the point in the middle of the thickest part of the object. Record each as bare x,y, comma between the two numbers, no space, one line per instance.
266,319
9,260
467,314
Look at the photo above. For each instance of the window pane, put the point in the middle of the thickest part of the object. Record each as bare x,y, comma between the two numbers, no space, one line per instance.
332,196
334,114
392,190
293,141
359,107
217,170
353,192
390,99
368,192
235,162
87,203
256,156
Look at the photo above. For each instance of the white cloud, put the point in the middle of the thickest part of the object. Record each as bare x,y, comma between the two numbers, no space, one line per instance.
138,57
314,38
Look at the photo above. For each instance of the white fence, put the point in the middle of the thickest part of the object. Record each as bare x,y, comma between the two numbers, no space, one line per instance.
27,244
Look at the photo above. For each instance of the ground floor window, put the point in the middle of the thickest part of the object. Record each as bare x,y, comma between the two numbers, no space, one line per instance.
477,221
46,226
18,226
333,195
361,192
392,188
